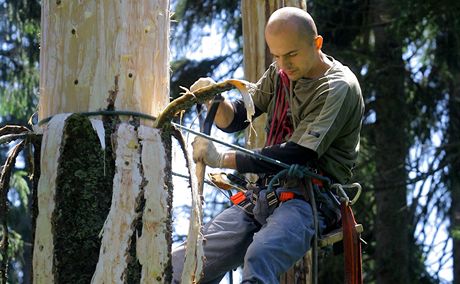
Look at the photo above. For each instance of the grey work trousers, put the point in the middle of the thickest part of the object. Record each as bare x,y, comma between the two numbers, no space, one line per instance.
234,238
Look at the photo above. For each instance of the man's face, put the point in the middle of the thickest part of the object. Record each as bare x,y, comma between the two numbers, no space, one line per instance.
296,55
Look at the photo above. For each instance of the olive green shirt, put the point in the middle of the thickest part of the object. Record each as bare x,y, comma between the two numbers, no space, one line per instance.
326,114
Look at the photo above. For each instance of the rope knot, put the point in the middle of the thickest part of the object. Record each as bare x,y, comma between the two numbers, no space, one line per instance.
296,171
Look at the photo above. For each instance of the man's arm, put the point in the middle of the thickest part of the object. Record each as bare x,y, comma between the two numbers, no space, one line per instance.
289,153
224,114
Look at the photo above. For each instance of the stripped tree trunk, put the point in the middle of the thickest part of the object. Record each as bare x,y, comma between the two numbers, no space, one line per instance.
104,194
257,58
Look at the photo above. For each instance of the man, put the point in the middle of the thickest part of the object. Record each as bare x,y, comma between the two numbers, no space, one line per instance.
315,108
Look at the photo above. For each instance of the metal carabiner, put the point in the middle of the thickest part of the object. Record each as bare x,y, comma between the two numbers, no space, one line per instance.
340,191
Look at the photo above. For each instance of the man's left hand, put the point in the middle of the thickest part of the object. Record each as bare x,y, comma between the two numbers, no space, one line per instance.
205,151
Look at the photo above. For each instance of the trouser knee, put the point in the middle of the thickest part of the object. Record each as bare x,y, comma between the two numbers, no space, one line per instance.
259,255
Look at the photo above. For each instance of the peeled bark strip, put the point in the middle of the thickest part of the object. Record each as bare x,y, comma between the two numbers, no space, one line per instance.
118,228
43,255
155,219
194,253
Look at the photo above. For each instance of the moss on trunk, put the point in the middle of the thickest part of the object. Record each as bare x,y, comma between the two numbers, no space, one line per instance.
166,139
83,196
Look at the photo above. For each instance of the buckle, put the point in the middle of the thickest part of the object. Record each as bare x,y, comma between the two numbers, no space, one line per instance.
285,196
238,198
317,182
265,181
272,199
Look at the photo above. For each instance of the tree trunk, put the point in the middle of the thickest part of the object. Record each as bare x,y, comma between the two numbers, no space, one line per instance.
391,144
104,193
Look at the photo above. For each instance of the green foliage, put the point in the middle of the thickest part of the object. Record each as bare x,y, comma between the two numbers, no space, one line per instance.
455,233
15,245
192,21
19,55
186,72
15,253
19,183
18,225
193,15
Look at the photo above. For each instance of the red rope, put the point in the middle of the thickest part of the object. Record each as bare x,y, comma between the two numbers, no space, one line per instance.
351,247
280,126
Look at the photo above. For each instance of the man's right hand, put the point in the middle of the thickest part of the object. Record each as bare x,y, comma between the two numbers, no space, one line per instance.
205,151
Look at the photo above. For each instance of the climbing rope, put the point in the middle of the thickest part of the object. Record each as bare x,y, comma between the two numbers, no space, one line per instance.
296,171
107,113
280,126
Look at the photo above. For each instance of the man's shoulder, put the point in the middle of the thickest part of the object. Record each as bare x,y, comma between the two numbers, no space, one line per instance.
342,74
342,79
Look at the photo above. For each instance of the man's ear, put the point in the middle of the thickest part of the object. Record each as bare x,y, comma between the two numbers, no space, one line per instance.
318,42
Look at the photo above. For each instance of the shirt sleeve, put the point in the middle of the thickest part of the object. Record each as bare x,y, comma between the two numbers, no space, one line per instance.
320,127
265,89
240,120
289,153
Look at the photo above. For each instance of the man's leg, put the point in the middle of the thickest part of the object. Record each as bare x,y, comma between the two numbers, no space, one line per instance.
226,239
283,240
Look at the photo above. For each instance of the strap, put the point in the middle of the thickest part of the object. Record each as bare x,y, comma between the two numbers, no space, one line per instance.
242,201
209,120
351,246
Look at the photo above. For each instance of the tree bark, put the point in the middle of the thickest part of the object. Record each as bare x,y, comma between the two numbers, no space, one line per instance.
391,142
104,194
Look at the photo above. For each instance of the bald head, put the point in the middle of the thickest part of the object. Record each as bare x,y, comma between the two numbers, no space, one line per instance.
291,19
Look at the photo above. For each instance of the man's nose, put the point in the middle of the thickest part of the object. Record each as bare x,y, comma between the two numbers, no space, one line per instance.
283,63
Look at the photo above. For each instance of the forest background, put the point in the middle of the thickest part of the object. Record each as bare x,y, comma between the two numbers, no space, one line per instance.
407,59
